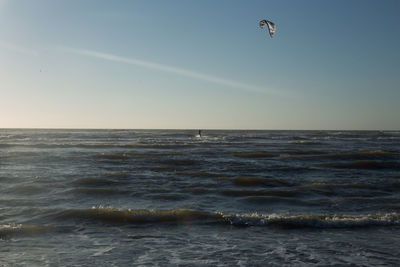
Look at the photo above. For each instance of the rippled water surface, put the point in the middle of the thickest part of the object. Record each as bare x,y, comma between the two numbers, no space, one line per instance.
234,198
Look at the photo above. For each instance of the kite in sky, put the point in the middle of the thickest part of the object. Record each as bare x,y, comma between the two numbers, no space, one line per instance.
271,26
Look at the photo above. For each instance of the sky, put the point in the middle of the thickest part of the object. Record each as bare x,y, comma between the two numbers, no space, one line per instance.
186,64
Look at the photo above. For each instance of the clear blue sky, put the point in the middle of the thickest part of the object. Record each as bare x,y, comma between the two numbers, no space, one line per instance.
199,64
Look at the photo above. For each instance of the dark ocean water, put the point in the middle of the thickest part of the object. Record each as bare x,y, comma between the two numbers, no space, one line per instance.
168,198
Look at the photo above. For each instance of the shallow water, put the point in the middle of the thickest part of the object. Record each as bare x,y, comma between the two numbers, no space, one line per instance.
235,198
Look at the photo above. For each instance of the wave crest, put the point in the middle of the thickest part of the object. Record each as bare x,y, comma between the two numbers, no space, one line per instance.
9,230
184,216
313,221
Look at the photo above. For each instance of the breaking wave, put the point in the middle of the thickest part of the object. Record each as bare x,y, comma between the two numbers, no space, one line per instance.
185,216
313,221
9,230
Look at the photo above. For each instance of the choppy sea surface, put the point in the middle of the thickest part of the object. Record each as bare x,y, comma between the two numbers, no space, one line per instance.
174,198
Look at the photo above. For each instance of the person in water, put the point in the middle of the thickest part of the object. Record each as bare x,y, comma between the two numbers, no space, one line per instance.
200,133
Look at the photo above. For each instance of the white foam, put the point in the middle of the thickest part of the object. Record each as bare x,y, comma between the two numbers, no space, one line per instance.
317,221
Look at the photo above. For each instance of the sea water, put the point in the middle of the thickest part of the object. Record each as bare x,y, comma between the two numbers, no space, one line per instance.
172,197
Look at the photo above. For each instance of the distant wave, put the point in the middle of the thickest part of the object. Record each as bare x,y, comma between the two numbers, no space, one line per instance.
255,154
313,221
99,191
263,200
252,193
113,156
202,174
358,155
26,189
98,182
304,142
98,146
185,216
10,230
258,181
361,164
112,215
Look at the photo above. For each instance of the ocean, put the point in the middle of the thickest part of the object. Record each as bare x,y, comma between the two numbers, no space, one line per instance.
174,198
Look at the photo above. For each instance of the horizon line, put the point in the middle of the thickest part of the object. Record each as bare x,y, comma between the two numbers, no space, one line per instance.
191,129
